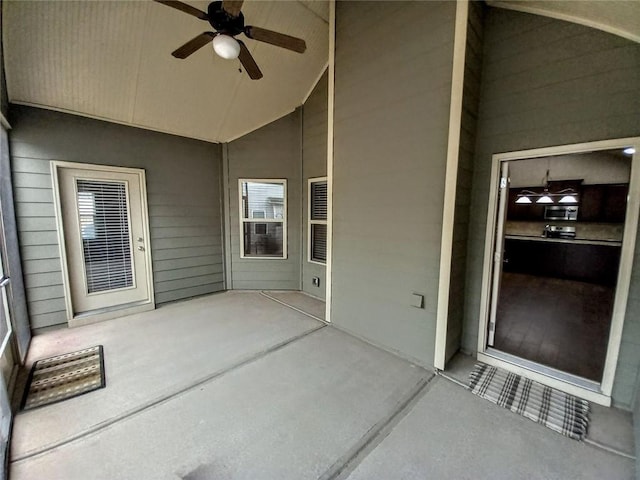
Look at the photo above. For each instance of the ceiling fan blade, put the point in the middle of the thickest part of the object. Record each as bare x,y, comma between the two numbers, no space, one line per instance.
183,7
232,7
194,44
249,63
275,38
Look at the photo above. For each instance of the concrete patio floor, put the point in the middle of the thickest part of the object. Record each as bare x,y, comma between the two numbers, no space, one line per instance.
238,386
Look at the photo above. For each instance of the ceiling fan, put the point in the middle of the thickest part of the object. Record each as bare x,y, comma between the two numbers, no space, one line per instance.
228,21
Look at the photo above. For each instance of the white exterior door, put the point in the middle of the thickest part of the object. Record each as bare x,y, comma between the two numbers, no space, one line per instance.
498,254
105,236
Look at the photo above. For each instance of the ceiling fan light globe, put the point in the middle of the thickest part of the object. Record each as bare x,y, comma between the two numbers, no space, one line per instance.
226,47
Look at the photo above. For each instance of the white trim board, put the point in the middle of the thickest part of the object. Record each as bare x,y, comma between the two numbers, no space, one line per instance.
603,396
226,215
451,178
4,122
330,113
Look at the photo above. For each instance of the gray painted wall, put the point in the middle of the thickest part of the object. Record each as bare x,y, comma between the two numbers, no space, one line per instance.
392,95
314,164
273,151
547,82
470,103
183,186
12,264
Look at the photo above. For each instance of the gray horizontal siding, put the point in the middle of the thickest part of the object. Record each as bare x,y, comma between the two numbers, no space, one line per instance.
392,96
183,194
314,164
270,152
547,82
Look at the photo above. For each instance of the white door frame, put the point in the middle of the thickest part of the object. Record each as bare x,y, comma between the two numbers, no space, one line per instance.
91,317
601,394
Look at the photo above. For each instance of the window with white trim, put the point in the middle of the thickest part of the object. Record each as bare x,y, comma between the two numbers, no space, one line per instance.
263,222
317,231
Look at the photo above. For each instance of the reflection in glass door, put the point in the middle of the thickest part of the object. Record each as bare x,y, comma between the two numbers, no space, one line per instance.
557,255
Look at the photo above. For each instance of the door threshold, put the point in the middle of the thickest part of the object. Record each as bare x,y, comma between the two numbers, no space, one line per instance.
565,382
95,316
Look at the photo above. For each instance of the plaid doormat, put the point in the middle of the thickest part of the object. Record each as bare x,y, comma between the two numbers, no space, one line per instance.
64,376
556,410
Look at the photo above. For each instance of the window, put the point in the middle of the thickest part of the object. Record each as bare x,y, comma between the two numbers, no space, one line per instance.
263,218
87,214
104,226
317,232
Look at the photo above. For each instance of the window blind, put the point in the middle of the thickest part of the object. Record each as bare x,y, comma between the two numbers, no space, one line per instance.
318,221
319,242
104,226
319,201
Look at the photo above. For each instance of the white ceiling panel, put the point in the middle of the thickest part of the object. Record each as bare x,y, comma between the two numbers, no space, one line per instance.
76,56
113,60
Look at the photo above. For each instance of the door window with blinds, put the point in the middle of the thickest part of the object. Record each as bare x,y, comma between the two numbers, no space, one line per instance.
103,214
317,231
103,226
263,218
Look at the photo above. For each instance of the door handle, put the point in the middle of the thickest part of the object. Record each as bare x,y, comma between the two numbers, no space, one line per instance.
141,248
4,282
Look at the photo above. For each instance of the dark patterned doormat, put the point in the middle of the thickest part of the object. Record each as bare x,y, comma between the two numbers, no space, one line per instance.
64,376
556,410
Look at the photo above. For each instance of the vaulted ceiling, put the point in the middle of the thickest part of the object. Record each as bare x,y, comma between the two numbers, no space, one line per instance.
112,60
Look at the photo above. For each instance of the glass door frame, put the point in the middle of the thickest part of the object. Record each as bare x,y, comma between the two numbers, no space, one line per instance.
597,392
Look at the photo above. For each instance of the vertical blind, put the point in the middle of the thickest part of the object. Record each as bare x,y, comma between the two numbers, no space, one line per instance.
104,227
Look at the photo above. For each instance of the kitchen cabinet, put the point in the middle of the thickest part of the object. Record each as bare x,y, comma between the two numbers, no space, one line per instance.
524,211
570,261
603,203
597,203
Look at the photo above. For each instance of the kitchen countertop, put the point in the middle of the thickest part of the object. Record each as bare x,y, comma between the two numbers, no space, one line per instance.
578,241
587,233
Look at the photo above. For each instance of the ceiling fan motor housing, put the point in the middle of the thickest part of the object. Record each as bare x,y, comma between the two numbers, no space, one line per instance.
223,22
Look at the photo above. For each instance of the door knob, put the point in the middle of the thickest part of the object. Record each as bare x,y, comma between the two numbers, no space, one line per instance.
141,248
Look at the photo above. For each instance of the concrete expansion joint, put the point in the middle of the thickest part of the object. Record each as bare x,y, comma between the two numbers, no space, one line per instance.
95,429
607,448
346,464
265,294
443,374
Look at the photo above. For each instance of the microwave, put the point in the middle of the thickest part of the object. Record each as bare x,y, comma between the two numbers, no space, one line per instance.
561,212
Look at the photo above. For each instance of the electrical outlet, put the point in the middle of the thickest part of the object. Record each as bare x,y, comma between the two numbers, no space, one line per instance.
315,281
417,300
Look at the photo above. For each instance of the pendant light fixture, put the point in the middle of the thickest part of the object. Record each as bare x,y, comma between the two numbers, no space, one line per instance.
524,197
564,196
545,197
569,195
